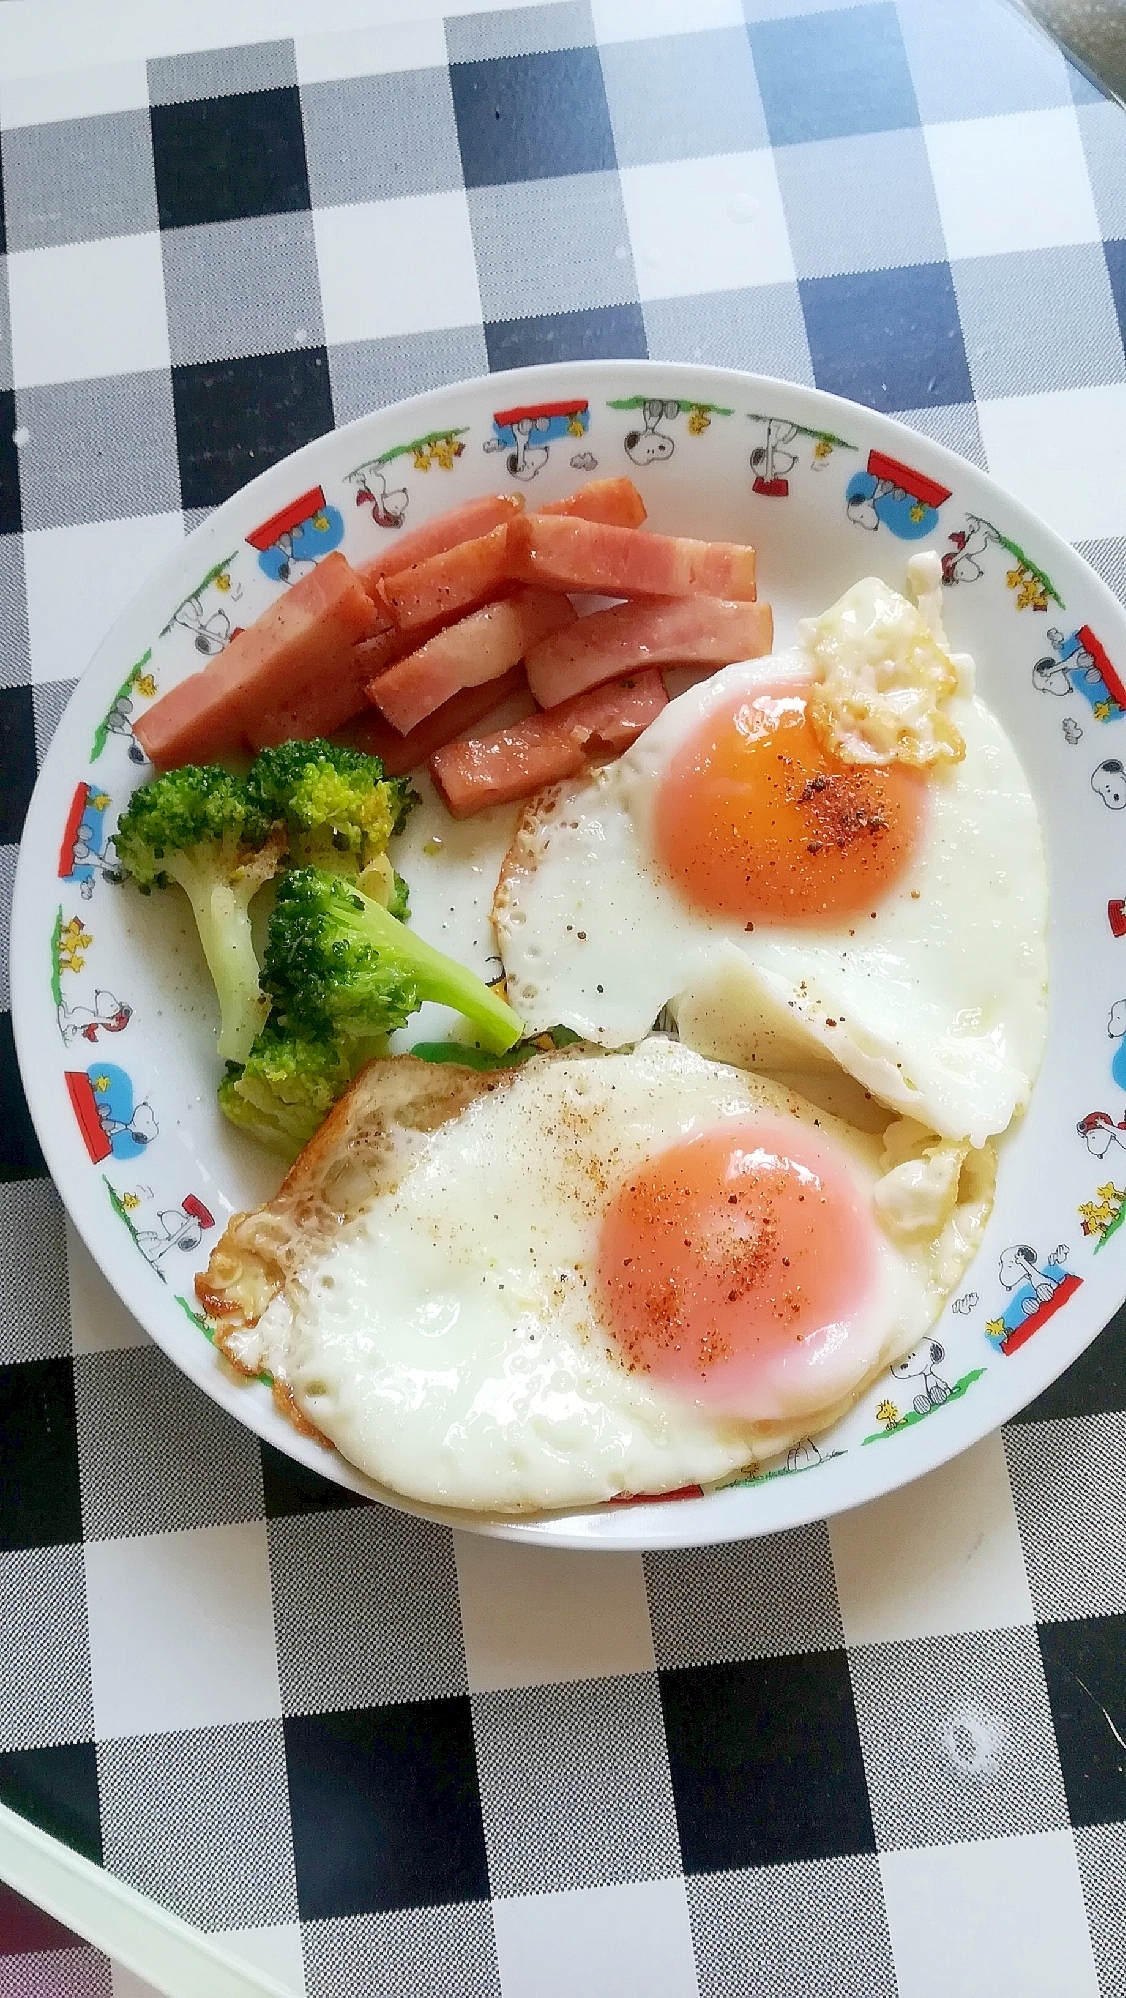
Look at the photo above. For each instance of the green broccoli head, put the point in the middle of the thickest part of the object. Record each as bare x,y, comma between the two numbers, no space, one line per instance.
200,828
339,809
338,963
200,805
288,1084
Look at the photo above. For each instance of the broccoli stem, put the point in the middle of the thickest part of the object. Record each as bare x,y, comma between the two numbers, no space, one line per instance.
442,979
222,914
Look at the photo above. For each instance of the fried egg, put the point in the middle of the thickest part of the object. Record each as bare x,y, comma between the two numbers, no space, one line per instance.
620,1274
886,913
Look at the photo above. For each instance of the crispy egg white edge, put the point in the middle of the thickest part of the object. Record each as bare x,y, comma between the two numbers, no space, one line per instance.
504,1428
594,836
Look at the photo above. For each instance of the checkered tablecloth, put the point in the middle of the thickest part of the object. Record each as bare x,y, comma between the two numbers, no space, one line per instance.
887,1755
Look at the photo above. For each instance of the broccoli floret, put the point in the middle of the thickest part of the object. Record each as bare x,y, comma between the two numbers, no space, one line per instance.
338,808
198,827
288,1084
339,964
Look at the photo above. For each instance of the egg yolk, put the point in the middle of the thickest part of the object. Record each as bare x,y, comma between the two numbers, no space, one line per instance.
755,820
730,1262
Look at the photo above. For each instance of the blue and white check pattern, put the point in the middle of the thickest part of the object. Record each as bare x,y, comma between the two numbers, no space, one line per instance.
884,1756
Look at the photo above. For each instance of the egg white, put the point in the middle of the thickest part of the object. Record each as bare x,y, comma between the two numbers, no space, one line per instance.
937,1005
450,1342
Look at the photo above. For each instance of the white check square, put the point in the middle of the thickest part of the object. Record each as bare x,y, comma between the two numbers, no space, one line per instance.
707,224
79,580
403,266
1019,182
897,1577
1065,454
631,1937
536,1617
989,1921
645,20
87,310
181,1630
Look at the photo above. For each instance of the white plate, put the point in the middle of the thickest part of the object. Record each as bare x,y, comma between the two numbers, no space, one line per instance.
117,1018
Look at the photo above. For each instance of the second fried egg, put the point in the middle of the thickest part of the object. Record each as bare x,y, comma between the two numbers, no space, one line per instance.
791,908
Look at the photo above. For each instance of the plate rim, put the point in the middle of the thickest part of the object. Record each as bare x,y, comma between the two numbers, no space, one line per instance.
642,1526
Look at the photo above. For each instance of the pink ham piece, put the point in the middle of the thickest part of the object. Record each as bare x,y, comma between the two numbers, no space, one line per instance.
434,591
481,647
289,674
437,536
686,631
515,762
616,502
573,554
402,753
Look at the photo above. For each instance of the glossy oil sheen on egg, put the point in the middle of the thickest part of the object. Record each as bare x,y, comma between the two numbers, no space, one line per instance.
933,996
456,1343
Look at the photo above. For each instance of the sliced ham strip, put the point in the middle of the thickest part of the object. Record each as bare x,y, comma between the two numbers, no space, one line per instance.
544,749
480,647
616,502
574,554
688,631
435,537
292,665
321,710
434,591
400,754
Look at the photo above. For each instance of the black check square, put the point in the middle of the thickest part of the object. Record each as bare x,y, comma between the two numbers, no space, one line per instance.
39,1499
20,1156
235,418
17,759
58,1790
891,339
532,117
605,332
1083,1668
766,1762
385,1808
828,75
11,518
225,157
289,1487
